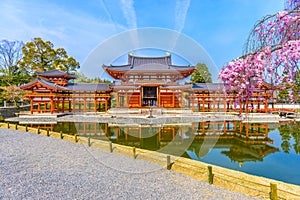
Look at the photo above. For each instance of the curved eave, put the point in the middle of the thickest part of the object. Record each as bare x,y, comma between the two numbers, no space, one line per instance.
187,73
118,74
41,84
59,76
56,74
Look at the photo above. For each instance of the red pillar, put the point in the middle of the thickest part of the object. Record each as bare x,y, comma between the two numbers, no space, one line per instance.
31,105
39,107
193,102
52,105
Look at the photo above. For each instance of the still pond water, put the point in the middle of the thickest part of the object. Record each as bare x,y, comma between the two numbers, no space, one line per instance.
268,150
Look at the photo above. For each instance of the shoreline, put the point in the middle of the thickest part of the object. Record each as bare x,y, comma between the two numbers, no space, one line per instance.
197,170
122,118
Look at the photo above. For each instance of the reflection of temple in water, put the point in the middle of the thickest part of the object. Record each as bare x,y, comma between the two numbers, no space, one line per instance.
240,142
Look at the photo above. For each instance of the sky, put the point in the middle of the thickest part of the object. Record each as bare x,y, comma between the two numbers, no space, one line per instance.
219,27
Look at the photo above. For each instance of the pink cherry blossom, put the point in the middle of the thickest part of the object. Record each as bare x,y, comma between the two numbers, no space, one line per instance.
273,56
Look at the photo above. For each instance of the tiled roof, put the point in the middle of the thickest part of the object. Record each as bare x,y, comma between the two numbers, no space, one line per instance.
128,87
71,87
177,87
220,86
42,82
208,86
137,61
55,73
143,64
88,87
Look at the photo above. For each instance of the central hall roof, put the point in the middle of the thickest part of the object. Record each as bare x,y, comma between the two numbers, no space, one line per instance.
137,61
147,64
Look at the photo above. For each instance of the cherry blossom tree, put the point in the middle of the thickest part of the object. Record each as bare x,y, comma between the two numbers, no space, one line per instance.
12,94
272,54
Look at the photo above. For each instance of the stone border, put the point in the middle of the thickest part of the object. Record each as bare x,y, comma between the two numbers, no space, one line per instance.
140,118
7,112
230,179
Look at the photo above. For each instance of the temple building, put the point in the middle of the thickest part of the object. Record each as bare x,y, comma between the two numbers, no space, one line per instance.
52,92
143,82
149,81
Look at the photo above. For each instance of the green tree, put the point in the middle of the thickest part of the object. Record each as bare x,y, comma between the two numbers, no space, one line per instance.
294,87
201,74
10,54
81,78
287,132
39,55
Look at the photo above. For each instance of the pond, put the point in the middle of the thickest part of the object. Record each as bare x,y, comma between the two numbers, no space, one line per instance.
268,150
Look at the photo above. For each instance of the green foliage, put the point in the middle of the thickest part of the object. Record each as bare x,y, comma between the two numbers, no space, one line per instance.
81,78
39,55
296,87
201,74
287,132
283,95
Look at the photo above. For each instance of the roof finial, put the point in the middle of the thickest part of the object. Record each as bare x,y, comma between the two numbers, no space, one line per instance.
167,53
240,163
131,53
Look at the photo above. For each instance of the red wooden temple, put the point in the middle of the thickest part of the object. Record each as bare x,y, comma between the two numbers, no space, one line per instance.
209,97
143,82
52,92
149,81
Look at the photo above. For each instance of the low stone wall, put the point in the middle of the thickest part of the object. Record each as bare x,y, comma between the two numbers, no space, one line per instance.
11,111
226,178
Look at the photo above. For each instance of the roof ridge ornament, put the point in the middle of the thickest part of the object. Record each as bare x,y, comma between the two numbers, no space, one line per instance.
166,59
132,59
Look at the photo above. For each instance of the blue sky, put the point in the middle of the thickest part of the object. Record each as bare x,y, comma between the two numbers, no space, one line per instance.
221,27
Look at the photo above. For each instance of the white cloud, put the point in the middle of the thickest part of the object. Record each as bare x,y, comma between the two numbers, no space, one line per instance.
129,13
76,31
181,9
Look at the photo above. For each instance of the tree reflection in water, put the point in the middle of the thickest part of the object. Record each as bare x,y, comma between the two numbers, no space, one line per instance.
287,132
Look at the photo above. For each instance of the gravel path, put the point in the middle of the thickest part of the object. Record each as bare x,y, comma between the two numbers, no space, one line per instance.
38,167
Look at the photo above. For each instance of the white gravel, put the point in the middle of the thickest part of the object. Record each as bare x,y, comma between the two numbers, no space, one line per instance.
38,167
